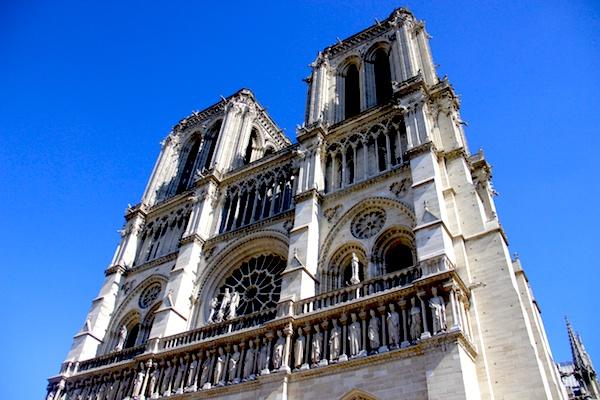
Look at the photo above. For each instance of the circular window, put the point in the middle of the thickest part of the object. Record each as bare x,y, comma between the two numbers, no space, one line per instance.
258,282
367,224
149,295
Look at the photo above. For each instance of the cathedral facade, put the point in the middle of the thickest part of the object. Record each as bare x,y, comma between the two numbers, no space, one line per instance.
365,261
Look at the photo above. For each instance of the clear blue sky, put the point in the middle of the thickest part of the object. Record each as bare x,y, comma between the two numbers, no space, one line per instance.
88,89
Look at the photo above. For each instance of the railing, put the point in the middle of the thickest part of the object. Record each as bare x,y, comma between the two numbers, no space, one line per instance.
111,358
218,329
372,286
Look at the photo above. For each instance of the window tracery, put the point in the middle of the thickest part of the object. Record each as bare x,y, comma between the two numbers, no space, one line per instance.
149,295
257,281
368,223
262,196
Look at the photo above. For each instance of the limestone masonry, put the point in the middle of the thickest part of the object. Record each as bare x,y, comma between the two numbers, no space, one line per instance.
365,261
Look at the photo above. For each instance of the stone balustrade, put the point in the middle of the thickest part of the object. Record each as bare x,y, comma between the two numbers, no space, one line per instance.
388,313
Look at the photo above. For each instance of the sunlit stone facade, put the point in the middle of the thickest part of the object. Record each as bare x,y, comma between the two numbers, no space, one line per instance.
365,261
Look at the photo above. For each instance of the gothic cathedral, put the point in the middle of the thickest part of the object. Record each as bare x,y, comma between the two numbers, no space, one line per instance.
365,261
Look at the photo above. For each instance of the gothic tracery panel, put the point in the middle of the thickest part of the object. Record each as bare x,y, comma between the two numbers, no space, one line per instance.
368,223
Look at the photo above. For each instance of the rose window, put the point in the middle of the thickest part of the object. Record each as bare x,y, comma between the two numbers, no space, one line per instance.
368,223
258,282
149,295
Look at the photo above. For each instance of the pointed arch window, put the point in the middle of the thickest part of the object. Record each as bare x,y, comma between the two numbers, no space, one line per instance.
383,76
188,167
351,91
252,147
211,145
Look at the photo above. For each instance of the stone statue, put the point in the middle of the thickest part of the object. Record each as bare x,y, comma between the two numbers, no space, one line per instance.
415,320
317,340
278,351
438,312
233,304
139,380
153,381
263,358
220,368
224,304
393,323
299,349
373,331
249,361
354,264
204,375
334,341
233,364
122,337
190,383
354,336
213,306
178,382
165,388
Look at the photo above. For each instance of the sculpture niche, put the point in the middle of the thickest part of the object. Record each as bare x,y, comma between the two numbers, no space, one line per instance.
227,309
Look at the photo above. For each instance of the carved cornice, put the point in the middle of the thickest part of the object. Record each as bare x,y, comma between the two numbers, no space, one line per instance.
171,202
114,269
398,169
190,239
245,230
427,147
309,194
259,166
153,263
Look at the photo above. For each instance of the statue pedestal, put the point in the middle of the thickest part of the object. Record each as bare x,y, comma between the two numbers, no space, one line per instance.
284,369
265,371
190,389
383,349
404,344
362,353
323,363
455,328
304,367
425,335
343,358
207,385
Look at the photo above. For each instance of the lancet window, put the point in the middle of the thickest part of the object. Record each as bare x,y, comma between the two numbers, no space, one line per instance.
383,76
161,235
261,197
351,91
253,148
368,153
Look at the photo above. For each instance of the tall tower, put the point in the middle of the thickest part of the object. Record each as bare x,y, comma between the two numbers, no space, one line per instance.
579,376
364,261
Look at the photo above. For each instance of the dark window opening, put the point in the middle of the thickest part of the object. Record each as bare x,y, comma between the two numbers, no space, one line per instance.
188,168
132,336
352,89
383,77
398,257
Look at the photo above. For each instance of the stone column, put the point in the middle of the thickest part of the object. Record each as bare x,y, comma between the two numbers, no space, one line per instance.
426,334
325,348
344,339
285,362
405,342
307,361
384,334
363,319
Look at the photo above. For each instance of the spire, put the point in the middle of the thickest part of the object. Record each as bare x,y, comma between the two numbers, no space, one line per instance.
584,370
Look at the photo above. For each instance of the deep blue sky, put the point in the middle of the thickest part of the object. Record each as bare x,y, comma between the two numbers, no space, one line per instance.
88,89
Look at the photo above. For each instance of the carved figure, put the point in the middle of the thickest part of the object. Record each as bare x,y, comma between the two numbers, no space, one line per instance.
233,364
213,306
249,360
354,265
263,357
393,323
334,341
415,320
233,304
153,380
224,304
165,388
220,368
278,351
190,384
204,375
438,312
178,382
122,337
139,380
354,336
299,349
373,331
317,339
